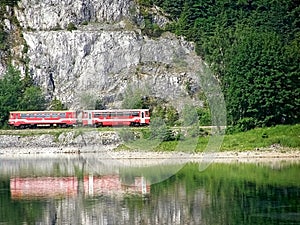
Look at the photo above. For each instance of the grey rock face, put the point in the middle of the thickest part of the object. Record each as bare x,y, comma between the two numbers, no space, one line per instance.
106,56
49,14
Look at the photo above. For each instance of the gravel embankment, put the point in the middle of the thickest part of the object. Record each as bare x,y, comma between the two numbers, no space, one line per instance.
67,142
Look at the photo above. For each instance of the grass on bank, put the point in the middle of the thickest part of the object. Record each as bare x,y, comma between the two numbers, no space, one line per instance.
286,136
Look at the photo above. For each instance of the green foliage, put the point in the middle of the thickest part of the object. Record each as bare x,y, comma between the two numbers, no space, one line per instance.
167,113
160,131
126,135
33,99
151,29
243,125
204,116
99,105
171,116
84,22
56,104
17,94
10,93
253,47
134,98
3,39
8,2
71,26
189,116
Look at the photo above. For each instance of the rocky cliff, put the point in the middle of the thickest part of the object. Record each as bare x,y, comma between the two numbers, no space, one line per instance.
83,50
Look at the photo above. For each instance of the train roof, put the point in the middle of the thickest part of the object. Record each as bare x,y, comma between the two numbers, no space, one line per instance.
47,111
113,110
87,110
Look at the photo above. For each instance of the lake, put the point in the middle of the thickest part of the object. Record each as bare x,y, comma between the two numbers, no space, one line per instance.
88,190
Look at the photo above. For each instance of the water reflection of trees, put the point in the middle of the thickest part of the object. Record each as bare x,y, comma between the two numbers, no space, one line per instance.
223,194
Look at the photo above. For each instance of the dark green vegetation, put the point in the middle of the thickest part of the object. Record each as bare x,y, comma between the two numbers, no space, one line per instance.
8,2
18,94
283,136
5,39
253,47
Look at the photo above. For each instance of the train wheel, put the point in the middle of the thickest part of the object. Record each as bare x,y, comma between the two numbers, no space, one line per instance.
33,126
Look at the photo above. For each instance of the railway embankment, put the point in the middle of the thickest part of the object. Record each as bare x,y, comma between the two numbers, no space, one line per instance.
73,141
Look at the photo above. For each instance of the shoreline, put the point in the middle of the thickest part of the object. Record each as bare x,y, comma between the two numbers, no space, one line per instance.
109,153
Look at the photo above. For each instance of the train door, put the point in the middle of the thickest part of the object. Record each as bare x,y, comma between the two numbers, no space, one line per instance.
143,121
79,116
90,119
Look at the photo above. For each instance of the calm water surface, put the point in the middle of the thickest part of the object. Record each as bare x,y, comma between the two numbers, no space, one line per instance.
84,190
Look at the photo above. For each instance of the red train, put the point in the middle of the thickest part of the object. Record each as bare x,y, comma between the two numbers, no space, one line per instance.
93,118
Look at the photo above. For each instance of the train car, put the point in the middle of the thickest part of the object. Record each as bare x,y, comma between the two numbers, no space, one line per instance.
33,119
117,117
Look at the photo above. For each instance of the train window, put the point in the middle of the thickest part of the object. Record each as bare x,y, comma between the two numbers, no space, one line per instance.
54,115
135,113
62,115
96,114
127,114
119,114
31,115
47,115
23,115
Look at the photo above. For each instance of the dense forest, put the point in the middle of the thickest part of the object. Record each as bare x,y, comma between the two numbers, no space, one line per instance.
253,47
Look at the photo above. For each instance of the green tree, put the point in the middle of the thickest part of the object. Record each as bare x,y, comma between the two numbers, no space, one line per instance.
171,116
189,115
10,93
160,131
256,83
56,104
18,94
33,99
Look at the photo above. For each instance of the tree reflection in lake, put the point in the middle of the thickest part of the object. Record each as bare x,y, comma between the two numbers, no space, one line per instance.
67,191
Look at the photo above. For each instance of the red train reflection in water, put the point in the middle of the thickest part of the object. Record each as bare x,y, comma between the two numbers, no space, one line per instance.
112,185
44,187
